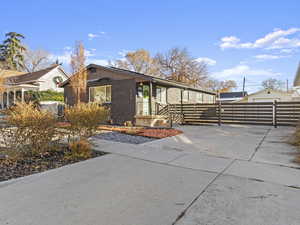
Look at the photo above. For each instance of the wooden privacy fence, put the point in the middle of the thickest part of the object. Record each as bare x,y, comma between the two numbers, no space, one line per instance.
263,113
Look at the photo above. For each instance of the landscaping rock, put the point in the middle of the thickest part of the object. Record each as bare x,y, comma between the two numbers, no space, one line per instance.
124,138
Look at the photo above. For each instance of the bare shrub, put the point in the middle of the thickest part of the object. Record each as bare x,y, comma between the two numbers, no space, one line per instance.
80,149
31,130
295,140
85,118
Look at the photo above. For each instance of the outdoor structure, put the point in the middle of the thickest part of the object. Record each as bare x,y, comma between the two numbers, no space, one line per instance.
269,95
231,96
130,94
17,84
296,85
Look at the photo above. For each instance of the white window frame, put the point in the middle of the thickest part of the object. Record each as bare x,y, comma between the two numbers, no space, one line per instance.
105,86
185,95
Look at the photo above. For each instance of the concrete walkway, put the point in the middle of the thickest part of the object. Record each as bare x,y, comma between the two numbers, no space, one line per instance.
208,175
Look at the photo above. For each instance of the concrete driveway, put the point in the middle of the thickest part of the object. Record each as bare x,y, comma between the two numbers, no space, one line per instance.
207,175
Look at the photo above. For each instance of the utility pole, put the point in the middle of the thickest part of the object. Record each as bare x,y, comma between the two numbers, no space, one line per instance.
287,85
244,81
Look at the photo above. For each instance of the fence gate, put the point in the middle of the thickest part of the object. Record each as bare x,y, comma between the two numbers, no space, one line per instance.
259,113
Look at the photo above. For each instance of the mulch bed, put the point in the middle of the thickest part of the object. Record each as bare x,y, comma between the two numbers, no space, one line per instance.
30,165
157,133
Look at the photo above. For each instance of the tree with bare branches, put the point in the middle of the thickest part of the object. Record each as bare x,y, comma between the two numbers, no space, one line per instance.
78,80
221,86
273,84
35,60
139,61
178,65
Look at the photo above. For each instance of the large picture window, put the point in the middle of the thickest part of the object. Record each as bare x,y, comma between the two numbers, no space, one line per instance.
100,94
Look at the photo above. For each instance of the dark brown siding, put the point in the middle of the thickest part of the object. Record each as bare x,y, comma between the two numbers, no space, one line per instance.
68,95
123,101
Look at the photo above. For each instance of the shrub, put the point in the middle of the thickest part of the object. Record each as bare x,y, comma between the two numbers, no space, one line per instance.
31,130
295,138
80,150
84,118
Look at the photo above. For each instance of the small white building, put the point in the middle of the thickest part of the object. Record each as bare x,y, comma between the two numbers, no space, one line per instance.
16,86
296,85
269,95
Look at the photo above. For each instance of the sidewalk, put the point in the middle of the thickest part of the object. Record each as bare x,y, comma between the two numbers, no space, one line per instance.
190,179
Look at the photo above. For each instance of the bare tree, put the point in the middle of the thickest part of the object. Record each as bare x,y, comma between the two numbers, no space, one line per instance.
2,80
221,86
78,80
36,60
273,84
178,65
139,61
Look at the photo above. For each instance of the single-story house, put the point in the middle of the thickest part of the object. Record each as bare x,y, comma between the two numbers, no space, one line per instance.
17,84
130,93
269,95
231,96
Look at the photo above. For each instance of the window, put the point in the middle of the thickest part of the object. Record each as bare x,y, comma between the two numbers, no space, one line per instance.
161,96
100,94
185,95
199,97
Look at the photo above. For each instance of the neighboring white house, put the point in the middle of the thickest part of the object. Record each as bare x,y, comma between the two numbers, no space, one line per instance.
296,84
17,85
269,95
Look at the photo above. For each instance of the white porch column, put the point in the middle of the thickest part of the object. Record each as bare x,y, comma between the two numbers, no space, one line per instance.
14,97
7,99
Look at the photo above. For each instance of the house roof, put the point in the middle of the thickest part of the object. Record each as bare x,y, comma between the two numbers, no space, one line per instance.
31,77
238,94
297,77
9,73
147,78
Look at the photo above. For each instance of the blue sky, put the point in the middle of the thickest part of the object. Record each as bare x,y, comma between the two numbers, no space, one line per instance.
256,39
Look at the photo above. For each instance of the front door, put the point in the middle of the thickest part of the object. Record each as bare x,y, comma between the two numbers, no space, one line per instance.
145,100
142,100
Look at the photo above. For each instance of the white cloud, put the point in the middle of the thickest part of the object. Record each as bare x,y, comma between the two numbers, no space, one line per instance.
91,36
267,56
244,70
88,53
286,50
64,58
67,48
102,62
274,40
206,60
123,52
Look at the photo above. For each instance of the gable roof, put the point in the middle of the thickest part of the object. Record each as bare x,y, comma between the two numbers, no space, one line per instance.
9,73
31,77
297,77
271,90
237,94
145,77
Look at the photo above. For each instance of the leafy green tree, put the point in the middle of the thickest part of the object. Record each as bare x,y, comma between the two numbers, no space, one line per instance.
11,51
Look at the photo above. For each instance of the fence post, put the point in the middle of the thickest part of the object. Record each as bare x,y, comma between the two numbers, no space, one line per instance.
275,113
170,116
219,115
